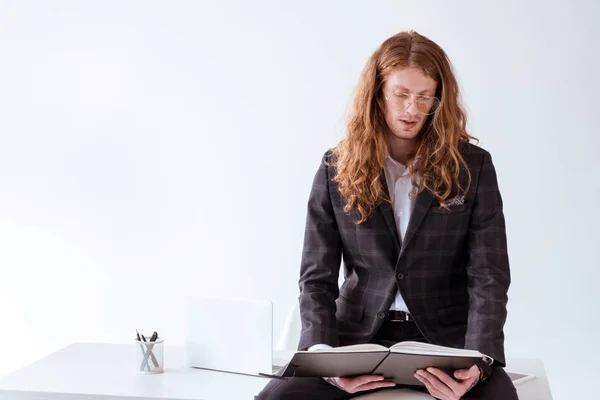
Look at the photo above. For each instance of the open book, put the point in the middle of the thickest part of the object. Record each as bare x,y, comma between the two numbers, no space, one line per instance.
397,363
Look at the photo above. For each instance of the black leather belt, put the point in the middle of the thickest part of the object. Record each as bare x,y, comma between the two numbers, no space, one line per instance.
398,316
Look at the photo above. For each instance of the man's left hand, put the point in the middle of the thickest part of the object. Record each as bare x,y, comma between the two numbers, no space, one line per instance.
443,387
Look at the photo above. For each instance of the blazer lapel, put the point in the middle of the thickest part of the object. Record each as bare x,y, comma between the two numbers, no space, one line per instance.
422,204
388,213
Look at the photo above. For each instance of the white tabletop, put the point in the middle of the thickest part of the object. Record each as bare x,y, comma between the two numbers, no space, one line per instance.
95,371
107,371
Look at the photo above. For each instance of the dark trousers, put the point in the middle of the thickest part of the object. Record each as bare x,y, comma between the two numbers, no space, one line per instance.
498,387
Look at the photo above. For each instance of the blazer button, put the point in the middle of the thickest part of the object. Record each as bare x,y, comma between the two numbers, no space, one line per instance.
400,276
381,315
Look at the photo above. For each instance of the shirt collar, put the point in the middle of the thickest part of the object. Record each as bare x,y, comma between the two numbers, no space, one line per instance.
389,158
394,165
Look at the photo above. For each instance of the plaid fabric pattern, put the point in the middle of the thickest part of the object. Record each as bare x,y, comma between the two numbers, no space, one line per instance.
452,268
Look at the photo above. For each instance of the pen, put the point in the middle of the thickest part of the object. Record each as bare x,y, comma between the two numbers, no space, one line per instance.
149,353
143,351
153,339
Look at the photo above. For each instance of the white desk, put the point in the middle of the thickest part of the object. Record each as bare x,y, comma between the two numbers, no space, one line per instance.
93,371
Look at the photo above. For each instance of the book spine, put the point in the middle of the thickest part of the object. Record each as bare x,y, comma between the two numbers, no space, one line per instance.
382,360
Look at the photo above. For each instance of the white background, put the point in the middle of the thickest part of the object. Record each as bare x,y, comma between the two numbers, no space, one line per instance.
150,150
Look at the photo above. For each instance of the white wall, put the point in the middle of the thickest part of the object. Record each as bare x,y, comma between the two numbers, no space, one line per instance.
150,150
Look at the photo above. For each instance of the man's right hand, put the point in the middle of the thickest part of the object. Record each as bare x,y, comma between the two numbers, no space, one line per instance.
360,383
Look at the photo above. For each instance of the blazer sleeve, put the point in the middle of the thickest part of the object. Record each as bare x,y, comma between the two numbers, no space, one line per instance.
320,265
488,268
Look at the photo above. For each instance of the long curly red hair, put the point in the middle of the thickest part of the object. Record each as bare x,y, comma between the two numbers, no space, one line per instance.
360,156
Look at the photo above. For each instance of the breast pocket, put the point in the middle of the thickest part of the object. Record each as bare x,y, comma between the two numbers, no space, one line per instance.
445,231
452,210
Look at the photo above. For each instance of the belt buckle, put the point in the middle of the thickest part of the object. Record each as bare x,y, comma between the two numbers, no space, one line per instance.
406,318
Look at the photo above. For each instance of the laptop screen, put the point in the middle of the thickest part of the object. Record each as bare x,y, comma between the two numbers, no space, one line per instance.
234,335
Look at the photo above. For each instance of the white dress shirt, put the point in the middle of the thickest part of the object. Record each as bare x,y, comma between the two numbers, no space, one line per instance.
402,195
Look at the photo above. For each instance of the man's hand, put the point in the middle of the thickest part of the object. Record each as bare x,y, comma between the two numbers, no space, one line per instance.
443,387
360,383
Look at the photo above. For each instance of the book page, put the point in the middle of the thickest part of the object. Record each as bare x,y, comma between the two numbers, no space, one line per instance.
432,349
355,348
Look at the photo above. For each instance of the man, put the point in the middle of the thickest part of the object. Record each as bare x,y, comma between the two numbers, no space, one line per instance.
415,212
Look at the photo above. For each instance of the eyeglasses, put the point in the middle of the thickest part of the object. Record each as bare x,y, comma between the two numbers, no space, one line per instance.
425,104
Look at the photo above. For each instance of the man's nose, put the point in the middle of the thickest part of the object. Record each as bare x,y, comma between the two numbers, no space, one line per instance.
412,107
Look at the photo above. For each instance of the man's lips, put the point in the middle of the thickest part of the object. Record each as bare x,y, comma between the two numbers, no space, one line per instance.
408,124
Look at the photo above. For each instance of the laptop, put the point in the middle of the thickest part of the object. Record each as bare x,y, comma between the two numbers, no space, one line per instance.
231,335
518,378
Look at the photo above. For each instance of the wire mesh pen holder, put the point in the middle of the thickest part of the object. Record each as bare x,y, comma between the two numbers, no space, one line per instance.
150,356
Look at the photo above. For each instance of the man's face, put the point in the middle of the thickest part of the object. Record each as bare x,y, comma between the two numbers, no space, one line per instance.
398,87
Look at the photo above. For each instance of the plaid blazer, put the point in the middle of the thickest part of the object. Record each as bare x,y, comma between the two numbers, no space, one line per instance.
452,267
